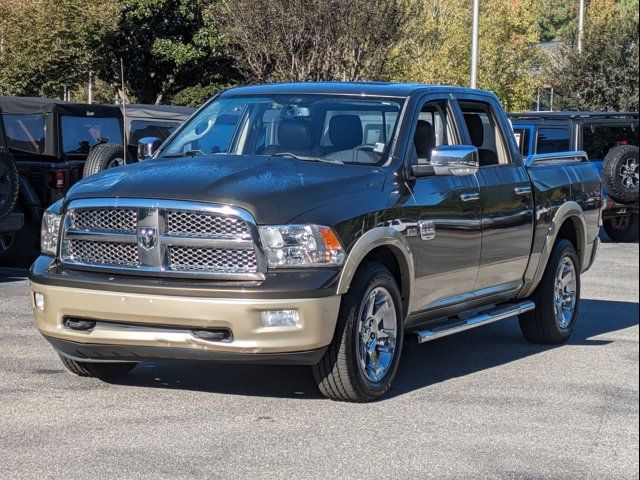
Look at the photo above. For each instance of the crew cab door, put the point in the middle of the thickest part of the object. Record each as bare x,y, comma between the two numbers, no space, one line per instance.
448,238
506,197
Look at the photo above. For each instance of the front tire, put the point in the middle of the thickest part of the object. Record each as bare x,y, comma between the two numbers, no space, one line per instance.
103,371
363,357
623,229
557,299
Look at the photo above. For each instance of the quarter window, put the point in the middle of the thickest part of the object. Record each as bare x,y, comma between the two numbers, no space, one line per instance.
432,131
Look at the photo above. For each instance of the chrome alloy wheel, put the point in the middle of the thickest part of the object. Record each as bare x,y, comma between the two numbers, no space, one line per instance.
565,292
378,329
629,174
116,162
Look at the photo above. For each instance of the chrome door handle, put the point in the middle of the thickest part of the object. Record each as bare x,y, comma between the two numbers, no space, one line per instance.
470,197
523,190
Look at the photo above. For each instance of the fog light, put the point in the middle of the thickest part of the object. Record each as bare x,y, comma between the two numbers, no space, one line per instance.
38,298
280,318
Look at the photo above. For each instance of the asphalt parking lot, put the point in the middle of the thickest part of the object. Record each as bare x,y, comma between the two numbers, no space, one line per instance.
483,404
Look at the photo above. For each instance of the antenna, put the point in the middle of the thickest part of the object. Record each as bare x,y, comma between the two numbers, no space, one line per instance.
125,143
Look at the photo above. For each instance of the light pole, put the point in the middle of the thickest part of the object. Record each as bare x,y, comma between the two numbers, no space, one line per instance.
474,44
580,25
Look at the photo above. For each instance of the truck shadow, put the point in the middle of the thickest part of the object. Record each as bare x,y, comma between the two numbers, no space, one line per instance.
8,275
422,365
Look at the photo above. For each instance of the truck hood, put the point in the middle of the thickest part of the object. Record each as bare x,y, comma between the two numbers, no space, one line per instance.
273,190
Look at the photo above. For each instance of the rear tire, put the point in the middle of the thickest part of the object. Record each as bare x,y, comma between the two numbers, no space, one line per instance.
363,357
623,229
105,371
557,304
103,157
9,182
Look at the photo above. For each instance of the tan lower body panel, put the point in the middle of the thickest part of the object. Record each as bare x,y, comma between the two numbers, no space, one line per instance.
132,312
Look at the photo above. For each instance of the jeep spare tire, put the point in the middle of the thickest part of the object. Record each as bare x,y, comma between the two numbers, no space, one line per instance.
620,173
9,183
102,157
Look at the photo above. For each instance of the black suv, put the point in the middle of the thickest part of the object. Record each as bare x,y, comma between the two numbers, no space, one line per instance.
50,141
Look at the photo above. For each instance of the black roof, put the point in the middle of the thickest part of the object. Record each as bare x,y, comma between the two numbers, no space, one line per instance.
573,115
382,89
158,112
33,105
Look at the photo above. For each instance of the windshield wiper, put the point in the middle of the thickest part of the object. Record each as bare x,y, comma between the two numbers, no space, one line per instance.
300,157
188,153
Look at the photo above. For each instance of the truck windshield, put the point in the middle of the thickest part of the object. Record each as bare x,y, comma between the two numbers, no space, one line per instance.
79,134
331,128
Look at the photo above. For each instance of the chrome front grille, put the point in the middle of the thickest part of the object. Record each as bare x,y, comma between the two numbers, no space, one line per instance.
106,219
158,237
187,224
102,253
211,259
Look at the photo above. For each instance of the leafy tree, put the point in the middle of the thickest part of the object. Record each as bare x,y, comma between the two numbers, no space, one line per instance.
47,45
301,40
166,47
438,47
557,19
605,75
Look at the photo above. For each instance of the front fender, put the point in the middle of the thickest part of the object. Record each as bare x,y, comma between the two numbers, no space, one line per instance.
392,239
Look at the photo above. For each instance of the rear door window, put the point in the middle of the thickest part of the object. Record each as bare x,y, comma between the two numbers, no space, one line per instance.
553,140
145,128
25,132
79,134
597,140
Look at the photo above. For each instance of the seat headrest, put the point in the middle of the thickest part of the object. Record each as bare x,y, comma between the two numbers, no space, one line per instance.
294,134
476,129
345,131
424,139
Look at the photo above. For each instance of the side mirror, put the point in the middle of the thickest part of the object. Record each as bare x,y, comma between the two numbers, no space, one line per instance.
456,160
147,146
449,160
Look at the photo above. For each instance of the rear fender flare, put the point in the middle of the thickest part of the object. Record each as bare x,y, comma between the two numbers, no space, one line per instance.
569,211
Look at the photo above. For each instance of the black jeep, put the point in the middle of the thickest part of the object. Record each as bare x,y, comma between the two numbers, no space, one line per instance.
50,141
140,121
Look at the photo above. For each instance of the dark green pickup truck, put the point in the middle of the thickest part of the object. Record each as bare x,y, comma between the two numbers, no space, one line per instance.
318,224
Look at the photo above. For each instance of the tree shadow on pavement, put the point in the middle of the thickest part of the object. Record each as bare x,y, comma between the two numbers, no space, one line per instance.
422,365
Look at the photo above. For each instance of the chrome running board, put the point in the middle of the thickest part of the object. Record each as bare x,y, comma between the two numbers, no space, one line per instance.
460,325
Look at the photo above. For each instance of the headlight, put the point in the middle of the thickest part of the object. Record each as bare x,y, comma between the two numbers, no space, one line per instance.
50,231
301,246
